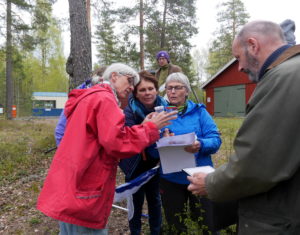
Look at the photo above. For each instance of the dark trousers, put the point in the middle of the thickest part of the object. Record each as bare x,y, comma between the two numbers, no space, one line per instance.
151,191
175,198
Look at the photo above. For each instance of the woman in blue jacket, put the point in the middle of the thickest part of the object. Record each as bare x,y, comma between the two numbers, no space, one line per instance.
141,103
191,118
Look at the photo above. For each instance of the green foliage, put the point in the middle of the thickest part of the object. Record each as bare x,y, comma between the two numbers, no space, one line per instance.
107,51
34,221
20,29
171,31
2,76
194,226
198,92
37,58
231,17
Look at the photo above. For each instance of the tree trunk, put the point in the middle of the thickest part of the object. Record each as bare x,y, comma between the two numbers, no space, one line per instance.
142,53
79,64
163,29
88,15
9,83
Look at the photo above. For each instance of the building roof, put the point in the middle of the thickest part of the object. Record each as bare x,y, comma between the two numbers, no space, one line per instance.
50,94
218,73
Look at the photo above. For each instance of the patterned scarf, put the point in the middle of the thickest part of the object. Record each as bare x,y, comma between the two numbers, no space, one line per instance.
140,110
182,108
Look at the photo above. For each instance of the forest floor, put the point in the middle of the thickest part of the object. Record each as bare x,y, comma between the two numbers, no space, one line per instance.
24,165
19,191
19,216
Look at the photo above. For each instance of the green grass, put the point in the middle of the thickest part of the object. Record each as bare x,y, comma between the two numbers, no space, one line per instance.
228,128
22,146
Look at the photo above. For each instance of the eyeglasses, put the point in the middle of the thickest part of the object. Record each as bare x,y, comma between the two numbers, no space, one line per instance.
176,88
130,79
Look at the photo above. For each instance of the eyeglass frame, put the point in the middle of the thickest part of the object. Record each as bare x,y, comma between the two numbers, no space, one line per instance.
130,79
176,88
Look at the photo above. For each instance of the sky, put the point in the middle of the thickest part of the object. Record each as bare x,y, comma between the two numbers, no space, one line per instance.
276,11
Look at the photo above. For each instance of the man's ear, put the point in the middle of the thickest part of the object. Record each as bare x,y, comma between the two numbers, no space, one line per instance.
253,46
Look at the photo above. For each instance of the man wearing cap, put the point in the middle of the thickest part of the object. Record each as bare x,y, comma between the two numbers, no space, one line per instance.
165,67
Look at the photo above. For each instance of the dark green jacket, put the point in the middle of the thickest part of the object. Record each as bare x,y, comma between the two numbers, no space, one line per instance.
171,69
264,172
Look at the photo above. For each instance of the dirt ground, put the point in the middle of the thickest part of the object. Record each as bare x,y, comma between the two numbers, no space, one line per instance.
18,215
18,201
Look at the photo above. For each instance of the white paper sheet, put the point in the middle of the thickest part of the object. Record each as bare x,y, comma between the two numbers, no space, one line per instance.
203,169
173,157
176,140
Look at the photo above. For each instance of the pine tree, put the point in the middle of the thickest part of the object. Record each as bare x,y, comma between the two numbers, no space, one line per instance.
231,17
79,63
14,28
169,28
106,41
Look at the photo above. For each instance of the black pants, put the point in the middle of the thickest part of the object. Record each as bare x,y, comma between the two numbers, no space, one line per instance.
175,198
151,191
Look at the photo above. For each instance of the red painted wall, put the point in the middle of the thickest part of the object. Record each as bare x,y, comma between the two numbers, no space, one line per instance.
210,105
229,77
249,90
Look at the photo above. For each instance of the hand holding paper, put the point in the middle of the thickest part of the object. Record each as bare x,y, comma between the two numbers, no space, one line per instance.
197,185
194,148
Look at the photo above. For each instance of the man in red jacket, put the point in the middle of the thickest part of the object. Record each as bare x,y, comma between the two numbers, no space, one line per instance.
79,188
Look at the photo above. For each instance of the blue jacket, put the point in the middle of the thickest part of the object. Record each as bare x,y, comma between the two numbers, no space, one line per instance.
135,113
62,122
196,119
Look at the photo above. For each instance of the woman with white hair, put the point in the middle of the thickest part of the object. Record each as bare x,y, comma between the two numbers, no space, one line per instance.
79,188
192,117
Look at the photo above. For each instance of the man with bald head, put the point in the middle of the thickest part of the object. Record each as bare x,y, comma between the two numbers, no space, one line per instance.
264,172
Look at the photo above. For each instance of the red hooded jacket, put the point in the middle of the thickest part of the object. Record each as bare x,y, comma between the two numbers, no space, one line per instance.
80,184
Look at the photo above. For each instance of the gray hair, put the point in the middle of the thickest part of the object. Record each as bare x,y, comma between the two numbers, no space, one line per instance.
181,78
97,75
122,69
268,29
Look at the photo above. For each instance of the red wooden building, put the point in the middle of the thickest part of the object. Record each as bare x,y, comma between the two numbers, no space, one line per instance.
228,91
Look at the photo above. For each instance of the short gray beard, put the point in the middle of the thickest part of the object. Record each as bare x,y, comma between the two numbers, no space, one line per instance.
252,72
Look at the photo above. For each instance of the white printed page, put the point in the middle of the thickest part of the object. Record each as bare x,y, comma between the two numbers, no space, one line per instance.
203,169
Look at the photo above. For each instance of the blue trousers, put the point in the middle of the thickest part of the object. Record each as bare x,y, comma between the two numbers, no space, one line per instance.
151,191
72,229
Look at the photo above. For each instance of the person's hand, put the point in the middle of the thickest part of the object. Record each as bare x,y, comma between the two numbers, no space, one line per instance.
160,119
197,185
194,148
167,133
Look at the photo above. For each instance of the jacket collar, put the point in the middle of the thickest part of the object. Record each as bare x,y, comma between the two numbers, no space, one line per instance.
271,59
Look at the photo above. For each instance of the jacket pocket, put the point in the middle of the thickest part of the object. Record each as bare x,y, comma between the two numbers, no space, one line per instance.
263,223
88,195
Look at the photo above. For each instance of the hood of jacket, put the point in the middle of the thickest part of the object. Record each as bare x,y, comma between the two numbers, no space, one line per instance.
76,95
